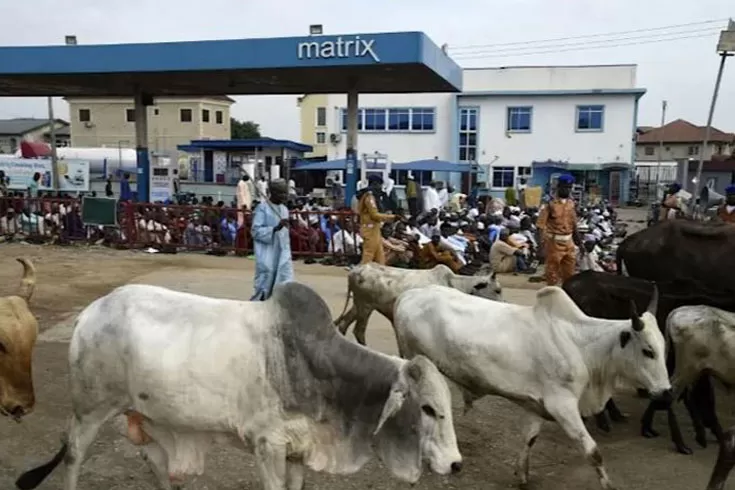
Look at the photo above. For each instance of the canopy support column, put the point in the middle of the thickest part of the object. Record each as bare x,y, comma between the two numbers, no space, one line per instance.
143,177
351,169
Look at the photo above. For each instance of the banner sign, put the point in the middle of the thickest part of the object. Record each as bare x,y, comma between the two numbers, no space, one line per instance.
73,174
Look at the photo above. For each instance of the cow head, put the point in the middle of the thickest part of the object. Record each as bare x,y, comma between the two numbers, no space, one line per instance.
488,287
416,423
18,332
643,351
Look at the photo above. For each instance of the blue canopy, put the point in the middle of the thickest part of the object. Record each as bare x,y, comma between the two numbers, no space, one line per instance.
430,165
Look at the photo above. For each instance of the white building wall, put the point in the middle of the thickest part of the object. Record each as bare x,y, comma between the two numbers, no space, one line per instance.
549,78
399,146
553,132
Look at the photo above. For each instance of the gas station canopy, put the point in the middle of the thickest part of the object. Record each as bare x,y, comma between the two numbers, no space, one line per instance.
401,62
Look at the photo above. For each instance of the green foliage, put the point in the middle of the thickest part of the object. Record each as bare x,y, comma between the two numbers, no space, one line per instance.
244,130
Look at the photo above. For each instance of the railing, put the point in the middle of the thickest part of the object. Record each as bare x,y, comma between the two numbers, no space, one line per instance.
169,228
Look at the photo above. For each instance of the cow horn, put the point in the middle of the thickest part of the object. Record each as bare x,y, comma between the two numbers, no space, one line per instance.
28,282
653,305
634,318
392,405
623,269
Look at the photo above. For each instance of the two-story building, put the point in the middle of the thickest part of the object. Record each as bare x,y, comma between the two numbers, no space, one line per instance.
682,140
14,131
530,123
172,121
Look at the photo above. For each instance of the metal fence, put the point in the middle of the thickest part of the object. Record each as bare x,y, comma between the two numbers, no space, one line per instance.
172,228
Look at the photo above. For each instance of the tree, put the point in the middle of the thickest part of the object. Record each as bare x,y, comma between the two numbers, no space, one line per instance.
244,130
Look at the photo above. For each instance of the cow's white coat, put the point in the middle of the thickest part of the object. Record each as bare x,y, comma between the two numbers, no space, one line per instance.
272,377
376,287
551,358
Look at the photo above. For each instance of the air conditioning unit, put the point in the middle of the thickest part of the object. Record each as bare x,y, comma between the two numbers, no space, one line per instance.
89,124
335,138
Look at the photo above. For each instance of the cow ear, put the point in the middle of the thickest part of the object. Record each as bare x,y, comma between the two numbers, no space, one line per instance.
392,406
481,285
625,337
414,371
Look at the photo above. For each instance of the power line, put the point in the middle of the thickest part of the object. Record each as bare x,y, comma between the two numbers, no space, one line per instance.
517,43
582,48
709,30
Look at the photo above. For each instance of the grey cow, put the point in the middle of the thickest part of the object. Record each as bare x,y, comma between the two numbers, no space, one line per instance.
376,287
271,377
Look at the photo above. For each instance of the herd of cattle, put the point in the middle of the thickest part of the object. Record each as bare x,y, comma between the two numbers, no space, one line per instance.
278,379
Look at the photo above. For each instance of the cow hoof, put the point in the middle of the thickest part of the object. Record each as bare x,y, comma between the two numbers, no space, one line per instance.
618,417
681,449
649,433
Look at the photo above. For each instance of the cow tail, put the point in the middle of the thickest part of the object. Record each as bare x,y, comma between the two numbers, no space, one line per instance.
28,282
33,478
347,302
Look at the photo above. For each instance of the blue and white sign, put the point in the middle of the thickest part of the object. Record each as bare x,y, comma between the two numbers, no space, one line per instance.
73,174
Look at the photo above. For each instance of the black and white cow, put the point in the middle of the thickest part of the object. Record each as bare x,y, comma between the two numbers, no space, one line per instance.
271,377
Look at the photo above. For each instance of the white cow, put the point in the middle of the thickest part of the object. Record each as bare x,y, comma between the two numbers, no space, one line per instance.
376,287
271,377
551,359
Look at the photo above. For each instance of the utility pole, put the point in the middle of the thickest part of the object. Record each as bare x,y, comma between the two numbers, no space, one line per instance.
54,160
726,48
660,149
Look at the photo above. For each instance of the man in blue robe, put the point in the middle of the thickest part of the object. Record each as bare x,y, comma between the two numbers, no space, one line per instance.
272,242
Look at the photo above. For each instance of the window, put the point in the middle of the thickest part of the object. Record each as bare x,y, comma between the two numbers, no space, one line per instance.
519,119
85,115
155,111
130,115
693,150
399,119
359,119
589,117
649,150
502,177
185,115
375,119
468,134
422,119
321,116
321,138
218,117
205,115
524,173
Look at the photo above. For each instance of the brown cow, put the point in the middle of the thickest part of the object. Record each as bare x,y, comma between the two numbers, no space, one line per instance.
18,332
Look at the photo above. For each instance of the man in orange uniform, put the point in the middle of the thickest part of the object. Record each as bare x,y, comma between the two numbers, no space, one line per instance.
371,222
726,212
558,225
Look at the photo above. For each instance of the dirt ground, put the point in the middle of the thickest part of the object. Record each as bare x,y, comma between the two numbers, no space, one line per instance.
69,278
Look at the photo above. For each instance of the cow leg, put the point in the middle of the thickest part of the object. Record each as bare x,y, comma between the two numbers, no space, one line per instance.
469,399
703,395
272,465
533,427
647,430
295,475
700,431
157,459
602,422
363,315
724,464
345,320
565,411
676,436
83,430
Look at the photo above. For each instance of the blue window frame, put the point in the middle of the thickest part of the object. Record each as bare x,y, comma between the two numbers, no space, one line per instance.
399,119
375,119
590,117
360,116
503,177
519,119
422,119
468,134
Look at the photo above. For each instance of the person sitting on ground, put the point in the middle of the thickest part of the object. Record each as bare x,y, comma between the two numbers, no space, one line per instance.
346,241
432,255
505,257
591,260
397,252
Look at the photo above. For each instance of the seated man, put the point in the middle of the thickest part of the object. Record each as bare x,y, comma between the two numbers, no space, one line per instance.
505,257
397,252
346,241
432,255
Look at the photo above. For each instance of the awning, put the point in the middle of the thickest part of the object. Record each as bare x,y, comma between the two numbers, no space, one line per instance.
570,166
429,165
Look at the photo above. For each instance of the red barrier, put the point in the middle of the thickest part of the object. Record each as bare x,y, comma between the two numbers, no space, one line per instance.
217,230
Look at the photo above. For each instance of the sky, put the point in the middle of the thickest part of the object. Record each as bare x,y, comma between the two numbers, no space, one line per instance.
680,67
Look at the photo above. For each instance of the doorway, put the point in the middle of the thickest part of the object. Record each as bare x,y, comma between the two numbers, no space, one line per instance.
615,188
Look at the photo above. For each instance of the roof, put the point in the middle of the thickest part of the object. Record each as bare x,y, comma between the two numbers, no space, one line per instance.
429,165
222,98
246,144
22,126
394,62
637,92
681,131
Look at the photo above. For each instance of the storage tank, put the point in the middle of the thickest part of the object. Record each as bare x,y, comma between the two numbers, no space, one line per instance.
116,158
